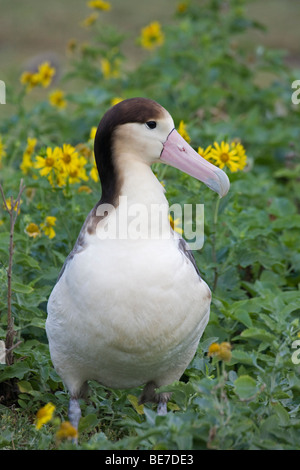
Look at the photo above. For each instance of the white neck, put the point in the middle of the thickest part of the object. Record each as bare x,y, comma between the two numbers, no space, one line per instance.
140,185
142,195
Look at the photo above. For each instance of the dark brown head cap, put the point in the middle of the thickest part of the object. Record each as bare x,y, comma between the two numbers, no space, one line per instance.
138,110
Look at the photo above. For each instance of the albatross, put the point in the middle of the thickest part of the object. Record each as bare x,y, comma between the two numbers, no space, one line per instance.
128,311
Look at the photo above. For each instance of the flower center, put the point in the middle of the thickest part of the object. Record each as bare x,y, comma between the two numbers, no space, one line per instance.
49,161
74,173
66,157
32,228
224,157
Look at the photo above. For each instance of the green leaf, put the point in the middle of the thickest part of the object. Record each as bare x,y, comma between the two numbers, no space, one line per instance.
245,387
26,260
17,370
258,333
89,421
25,386
4,239
284,417
244,318
135,403
268,425
21,288
241,357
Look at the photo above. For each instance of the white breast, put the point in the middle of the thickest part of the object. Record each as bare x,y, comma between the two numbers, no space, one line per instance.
126,312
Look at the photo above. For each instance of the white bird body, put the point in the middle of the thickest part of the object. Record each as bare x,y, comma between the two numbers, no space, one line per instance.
130,308
128,311
127,329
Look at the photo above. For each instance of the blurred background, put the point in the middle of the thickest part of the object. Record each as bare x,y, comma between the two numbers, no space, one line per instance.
31,30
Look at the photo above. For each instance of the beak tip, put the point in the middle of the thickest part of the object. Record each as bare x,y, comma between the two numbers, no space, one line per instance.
224,183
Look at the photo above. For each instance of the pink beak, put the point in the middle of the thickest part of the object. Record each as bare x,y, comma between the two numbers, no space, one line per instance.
179,154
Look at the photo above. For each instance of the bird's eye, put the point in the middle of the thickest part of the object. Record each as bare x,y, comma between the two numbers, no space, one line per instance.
151,124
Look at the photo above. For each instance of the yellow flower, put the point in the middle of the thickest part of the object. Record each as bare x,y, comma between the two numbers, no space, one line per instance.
225,351
8,203
44,415
232,156
89,20
30,193
50,220
25,78
110,69
241,152
61,165
84,189
224,155
48,164
78,173
115,101
183,132
42,77
175,225
30,79
27,162
221,351
57,99
32,230
213,349
204,152
45,74
2,150
47,227
93,132
181,7
99,5
68,158
84,149
59,178
152,36
66,431
31,143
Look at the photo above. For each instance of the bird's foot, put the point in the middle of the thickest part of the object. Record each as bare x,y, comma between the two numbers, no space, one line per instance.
162,408
74,415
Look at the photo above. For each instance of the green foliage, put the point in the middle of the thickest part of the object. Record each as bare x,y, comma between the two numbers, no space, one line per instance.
205,75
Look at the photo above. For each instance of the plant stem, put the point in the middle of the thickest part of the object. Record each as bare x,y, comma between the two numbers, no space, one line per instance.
13,214
216,211
214,252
